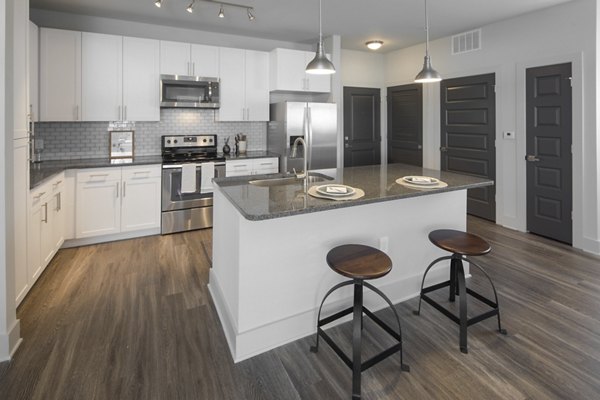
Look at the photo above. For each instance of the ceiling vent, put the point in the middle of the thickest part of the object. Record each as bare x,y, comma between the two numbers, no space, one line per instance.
466,42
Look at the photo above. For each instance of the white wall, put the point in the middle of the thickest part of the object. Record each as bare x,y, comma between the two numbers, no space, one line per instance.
565,33
366,69
76,22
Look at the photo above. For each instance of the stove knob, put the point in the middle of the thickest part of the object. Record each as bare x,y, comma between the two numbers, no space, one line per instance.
175,141
210,140
203,140
168,141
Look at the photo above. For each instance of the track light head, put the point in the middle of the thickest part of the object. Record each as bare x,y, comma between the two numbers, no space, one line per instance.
251,16
221,12
190,8
158,3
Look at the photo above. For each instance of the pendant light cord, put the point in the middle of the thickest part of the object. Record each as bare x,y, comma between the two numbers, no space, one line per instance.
320,22
426,31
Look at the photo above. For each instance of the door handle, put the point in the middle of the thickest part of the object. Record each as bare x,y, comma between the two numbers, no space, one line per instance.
530,158
419,147
443,149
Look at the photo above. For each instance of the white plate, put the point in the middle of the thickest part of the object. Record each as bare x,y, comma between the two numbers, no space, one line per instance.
420,180
335,190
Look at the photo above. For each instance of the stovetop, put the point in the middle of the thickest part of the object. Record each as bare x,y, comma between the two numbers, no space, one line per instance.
190,158
189,148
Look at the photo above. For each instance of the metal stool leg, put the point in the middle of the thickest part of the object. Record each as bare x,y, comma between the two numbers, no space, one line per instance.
453,280
315,348
357,338
462,293
502,331
403,367
418,311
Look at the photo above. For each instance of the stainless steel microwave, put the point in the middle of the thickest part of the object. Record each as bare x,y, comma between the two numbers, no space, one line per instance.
177,91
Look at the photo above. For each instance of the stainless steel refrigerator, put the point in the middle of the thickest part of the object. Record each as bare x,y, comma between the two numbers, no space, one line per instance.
315,122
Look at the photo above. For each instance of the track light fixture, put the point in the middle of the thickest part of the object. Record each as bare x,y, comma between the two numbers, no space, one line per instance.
222,5
190,8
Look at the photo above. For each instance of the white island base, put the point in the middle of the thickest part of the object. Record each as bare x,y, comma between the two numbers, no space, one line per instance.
269,276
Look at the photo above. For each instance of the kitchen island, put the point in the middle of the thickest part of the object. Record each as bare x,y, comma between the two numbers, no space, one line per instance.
270,241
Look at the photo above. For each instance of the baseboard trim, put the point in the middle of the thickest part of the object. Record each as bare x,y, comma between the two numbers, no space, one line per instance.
10,342
110,238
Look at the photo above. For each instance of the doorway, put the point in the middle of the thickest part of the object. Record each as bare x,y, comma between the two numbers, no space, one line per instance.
405,124
468,135
362,126
549,158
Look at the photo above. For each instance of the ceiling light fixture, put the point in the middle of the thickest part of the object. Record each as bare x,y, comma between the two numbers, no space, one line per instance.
374,44
222,5
427,74
320,65
190,8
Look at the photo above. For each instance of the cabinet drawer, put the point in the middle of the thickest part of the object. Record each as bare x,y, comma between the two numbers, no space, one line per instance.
141,172
266,164
99,175
238,167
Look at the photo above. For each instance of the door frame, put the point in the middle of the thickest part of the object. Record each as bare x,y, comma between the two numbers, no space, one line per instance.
576,60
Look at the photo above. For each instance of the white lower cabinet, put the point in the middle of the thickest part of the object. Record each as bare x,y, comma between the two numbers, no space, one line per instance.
46,226
114,200
256,166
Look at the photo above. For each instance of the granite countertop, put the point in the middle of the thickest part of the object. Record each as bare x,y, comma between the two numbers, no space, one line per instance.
249,155
257,203
39,172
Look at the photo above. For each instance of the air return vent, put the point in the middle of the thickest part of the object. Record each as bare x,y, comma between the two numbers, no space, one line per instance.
466,42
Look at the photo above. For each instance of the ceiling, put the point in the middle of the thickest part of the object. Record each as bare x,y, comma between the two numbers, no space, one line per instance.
399,23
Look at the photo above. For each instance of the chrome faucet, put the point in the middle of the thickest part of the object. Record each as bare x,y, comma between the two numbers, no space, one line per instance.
294,155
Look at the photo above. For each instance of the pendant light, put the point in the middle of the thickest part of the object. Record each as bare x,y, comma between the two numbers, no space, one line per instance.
427,74
320,65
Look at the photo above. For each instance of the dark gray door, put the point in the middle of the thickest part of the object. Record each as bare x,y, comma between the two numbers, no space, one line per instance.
549,158
468,127
405,124
362,126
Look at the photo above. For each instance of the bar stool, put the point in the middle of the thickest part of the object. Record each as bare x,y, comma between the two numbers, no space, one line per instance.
461,245
360,263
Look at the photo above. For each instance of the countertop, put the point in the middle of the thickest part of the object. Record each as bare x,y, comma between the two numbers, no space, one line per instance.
39,172
258,203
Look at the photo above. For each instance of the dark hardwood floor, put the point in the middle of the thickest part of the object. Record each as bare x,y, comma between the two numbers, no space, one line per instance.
134,320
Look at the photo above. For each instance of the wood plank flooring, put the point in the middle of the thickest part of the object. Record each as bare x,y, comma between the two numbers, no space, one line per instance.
134,320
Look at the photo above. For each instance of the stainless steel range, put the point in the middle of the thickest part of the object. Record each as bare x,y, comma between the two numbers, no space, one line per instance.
189,164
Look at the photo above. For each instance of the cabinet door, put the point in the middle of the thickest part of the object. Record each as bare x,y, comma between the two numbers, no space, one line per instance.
98,205
174,58
60,75
141,79
101,77
205,61
34,242
257,86
238,167
231,65
265,166
288,70
317,83
20,70
34,68
140,205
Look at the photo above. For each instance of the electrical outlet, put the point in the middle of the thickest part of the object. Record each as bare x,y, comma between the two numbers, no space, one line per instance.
510,135
384,243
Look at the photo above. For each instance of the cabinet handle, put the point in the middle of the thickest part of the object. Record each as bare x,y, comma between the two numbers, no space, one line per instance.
193,68
76,113
38,196
54,185
117,190
45,220
58,201
124,186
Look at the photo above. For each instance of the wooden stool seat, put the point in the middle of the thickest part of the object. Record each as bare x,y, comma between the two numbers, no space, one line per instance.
458,242
357,261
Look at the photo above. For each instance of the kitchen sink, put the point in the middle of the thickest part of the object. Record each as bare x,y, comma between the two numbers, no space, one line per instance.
290,180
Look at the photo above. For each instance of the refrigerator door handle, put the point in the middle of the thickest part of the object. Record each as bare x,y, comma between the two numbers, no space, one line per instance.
310,138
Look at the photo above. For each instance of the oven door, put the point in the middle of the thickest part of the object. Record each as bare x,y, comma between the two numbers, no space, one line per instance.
173,199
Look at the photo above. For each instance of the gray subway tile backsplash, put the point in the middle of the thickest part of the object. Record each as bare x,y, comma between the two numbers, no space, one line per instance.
70,140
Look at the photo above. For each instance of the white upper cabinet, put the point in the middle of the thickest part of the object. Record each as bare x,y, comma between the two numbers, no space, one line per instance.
141,79
205,61
177,58
60,75
102,77
244,85
174,58
34,69
288,72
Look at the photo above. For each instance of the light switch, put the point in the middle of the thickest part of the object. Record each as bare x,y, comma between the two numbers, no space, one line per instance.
509,135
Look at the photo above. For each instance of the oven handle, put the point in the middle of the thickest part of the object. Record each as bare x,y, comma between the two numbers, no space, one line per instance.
174,166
